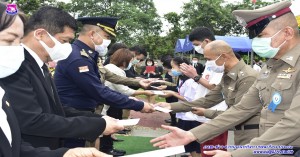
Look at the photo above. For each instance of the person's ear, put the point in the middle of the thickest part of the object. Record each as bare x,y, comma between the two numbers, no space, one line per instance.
91,34
289,33
225,56
39,34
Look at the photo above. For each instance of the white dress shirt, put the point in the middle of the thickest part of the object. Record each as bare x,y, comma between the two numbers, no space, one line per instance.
35,56
116,87
3,119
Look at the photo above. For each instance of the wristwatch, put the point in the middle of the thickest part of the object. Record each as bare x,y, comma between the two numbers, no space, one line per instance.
197,78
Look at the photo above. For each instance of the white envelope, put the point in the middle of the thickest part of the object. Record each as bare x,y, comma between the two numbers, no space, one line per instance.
161,152
129,122
158,108
158,92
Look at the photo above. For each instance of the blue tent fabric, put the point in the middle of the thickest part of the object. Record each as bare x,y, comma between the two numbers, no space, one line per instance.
238,44
179,45
188,45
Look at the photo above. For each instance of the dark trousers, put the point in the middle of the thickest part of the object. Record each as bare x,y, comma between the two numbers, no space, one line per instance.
106,142
74,142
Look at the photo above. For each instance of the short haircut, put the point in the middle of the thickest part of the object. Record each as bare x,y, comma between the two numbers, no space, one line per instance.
167,63
165,57
114,47
120,57
51,19
139,50
149,60
201,33
180,60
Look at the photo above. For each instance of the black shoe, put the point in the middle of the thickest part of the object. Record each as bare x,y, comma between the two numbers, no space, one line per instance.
114,152
121,132
117,140
120,151
125,131
168,121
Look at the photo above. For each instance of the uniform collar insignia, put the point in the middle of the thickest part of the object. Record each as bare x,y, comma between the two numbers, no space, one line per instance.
83,53
289,70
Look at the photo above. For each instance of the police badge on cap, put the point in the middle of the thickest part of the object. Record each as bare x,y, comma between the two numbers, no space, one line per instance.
108,24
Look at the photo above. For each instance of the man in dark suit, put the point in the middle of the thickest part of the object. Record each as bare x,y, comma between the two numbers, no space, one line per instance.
140,54
11,58
198,66
32,93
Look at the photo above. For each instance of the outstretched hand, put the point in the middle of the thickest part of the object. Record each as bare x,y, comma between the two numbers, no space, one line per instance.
176,137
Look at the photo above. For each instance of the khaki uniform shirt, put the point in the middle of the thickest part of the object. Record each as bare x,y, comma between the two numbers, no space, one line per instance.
233,86
281,127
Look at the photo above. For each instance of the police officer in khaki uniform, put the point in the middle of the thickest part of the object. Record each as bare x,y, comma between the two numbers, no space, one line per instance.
238,78
275,93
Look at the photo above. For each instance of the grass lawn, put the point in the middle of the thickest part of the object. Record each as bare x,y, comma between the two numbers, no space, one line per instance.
134,144
157,98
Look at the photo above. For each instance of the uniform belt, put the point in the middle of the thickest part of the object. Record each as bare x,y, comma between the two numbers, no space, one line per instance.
247,127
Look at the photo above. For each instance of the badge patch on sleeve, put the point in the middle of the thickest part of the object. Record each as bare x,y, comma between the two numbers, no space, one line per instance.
83,69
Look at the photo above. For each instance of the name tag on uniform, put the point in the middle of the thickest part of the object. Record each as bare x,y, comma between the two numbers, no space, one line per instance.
83,69
284,76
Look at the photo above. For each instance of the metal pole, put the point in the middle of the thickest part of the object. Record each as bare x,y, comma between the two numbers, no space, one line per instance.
252,56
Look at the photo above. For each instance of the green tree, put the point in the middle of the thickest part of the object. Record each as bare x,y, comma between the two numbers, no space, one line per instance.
138,19
30,6
216,15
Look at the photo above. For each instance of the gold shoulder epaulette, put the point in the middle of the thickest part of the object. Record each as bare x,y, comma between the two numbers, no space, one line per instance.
83,53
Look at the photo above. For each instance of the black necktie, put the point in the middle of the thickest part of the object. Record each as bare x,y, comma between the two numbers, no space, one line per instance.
47,77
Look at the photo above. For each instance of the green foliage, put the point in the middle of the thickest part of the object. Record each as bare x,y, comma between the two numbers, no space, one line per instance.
30,6
140,24
138,19
216,15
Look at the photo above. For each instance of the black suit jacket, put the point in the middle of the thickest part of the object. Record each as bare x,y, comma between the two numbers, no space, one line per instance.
199,68
39,112
20,148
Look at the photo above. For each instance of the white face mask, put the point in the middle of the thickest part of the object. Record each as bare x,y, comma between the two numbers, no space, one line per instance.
199,49
102,49
194,61
59,51
214,67
11,58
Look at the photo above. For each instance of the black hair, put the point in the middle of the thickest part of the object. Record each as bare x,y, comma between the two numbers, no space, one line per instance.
139,50
165,57
114,47
51,19
167,63
178,61
149,59
201,33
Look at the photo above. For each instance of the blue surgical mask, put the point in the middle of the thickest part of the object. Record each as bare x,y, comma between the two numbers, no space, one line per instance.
263,48
129,66
176,73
